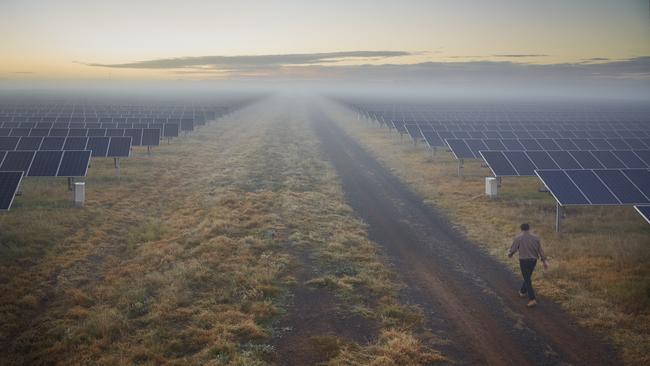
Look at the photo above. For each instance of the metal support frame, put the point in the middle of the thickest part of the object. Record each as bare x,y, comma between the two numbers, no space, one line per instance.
70,183
117,166
558,217
460,167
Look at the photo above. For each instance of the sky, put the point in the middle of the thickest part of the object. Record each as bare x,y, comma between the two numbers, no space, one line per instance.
239,39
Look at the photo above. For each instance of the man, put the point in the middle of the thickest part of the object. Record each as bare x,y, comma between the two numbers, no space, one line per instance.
529,249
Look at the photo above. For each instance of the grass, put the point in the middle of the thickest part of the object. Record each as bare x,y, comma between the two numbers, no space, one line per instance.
191,255
599,263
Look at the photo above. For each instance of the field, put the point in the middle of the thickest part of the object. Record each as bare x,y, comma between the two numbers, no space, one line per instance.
231,246
291,233
598,263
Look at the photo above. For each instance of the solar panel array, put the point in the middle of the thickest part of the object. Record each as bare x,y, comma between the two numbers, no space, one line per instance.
59,139
587,155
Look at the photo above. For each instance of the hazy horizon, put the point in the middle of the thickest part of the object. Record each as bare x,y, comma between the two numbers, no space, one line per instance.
581,48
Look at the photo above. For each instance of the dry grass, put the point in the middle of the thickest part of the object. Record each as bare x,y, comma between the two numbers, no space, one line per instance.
188,258
600,263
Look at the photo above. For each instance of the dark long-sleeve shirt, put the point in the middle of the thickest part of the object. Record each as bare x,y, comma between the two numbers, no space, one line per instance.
528,246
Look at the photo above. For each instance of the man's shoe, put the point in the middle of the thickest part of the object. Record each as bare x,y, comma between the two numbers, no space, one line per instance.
522,294
532,303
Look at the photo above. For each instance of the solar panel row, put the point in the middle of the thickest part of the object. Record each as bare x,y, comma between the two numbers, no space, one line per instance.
524,163
47,163
456,131
470,148
169,131
100,146
598,187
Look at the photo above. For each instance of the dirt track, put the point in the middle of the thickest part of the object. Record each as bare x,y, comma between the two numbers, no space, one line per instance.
468,296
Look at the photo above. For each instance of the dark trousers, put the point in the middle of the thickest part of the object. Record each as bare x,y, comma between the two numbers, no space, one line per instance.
527,268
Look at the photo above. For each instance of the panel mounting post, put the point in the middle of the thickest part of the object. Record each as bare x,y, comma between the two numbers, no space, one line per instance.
558,217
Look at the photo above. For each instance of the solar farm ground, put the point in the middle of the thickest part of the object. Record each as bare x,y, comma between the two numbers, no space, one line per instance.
231,246
272,237
599,268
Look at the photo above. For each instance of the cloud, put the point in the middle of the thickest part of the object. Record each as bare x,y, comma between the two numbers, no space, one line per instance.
252,62
519,55
601,74
328,67
596,59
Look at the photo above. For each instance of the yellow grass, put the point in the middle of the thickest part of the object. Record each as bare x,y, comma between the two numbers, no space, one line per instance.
189,257
599,264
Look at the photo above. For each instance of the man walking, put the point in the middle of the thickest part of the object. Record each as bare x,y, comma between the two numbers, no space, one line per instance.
529,249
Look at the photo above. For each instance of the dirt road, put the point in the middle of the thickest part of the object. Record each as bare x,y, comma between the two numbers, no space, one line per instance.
466,294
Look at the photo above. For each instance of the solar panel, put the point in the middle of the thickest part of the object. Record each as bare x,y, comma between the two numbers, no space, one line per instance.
96,132
548,144
640,178
187,124
618,144
45,164
622,187
476,145
75,143
74,164
494,144
135,134
16,161
150,137
583,144
460,149
644,155
586,160
29,143
498,163
520,162
562,187
59,132
8,143
601,144
507,135
9,182
608,159
39,132
117,132
119,147
542,160
20,132
5,131
592,187
635,144
644,211
630,159
512,144
431,137
98,146
566,144
2,156
530,144
52,143
564,160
